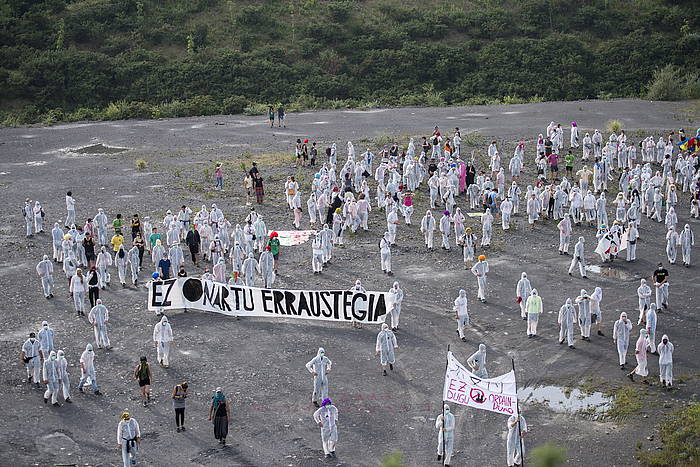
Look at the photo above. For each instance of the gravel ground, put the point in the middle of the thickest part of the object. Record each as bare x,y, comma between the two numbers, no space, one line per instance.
260,363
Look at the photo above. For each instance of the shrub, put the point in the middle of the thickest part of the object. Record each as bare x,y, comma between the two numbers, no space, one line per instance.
234,105
255,109
395,459
614,126
83,114
680,434
202,105
548,455
141,164
671,83
123,110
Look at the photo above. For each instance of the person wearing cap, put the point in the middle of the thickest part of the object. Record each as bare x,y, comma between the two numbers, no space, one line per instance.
481,271
326,417
162,338
87,370
155,277
128,438
45,271
220,415
31,356
28,214
445,424
99,318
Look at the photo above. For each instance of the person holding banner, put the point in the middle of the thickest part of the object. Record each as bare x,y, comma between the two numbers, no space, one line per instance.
397,295
327,418
319,367
386,343
517,427
462,313
477,362
445,423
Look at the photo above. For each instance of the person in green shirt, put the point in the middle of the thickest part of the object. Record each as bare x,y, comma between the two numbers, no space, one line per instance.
274,244
271,115
569,163
117,225
154,237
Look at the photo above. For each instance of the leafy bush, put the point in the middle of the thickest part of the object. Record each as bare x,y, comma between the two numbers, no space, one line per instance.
124,110
670,83
614,126
256,109
548,455
141,164
234,105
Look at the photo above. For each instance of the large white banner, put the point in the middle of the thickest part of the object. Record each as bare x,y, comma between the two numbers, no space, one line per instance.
465,388
326,305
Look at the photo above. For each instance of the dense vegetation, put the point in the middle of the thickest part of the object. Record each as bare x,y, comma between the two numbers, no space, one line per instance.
82,59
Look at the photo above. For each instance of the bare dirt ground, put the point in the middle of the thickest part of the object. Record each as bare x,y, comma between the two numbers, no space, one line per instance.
260,363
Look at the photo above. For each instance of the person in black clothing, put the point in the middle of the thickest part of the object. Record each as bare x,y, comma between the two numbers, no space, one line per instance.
192,241
471,173
139,243
432,168
164,267
93,286
425,145
89,247
336,202
253,170
135,226
314,153
182,272
661,283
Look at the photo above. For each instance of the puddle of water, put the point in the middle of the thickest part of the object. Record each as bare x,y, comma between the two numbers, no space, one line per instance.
99,149
562,400
610,272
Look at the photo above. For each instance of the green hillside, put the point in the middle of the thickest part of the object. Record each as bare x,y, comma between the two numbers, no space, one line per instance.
69,60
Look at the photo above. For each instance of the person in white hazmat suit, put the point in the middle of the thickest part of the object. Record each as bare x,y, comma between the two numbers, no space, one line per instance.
644,297
461,309
687,241
52,379
651,329
584,314
317,255
326,417
320,368
99,318
515,440
104,260
267,267
128,439
63,375
579,258
162,338
87,370
481,271
250,266
522,292
121,259
397,300
477,362
665,351
385,253
445,424
56,240
534,310
177,257
427,227
44,270
31,356
134,264
640,353
566,320
386,343
621,337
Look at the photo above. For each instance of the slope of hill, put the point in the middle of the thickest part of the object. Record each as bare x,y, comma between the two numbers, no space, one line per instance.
68,60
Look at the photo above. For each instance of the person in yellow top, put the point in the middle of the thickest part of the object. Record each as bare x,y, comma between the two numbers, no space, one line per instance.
117,241
534,310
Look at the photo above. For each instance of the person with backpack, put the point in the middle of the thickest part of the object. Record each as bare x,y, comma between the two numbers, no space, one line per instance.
142,374
281,116
179,404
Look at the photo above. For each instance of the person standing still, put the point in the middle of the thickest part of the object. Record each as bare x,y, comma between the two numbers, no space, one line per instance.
179,403
219,174
219,415
271,115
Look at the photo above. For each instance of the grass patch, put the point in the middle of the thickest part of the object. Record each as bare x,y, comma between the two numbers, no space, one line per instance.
141,164
680,435
395,459
548,455
628,400
614,126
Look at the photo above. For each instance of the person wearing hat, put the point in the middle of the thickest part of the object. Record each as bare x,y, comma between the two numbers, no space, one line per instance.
445,424
326,417
220,415
128,438
28,214
162,338
274,244
481,270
